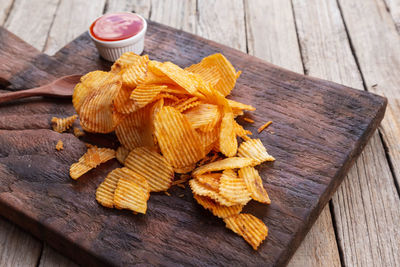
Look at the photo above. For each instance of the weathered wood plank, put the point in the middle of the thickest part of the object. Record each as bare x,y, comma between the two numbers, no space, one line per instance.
51,258
394,9
276,42
31,20
5,9
141,7
178,14
71,19
377,51
327,54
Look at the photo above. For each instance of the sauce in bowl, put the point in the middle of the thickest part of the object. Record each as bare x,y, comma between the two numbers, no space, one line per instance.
116,26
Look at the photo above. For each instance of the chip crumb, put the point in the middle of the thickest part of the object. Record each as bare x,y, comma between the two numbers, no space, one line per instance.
60,145
263,127
168,194
62,124
248,120
78,132
181,186
181,195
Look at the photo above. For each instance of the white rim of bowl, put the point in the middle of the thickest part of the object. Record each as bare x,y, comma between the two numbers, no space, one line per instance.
133,38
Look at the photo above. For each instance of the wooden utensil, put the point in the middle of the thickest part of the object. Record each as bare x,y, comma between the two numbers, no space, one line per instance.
62,87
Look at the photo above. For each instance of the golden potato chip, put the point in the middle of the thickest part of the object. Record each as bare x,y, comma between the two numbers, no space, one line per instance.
209,139
237,112
131,194
124,61
174,89
201,190
254,184
145,93
135,130
152,166
252,229
205,115
59,145
105,191
136,72
166,96
227,137
228,163
210,180
240,131
210,75
96,113
233,188
185,169
255,150
187,104
153,78
62,124
90,83
121,154
218,210
78,132
179,76
227,72
237,105
91,159
179,142
123,102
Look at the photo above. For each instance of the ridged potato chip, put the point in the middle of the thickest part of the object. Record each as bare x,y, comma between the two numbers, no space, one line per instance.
62,124
123,102
136,72
186,104
237,105
179,142
121,154
205,115
233,188
252,229
218,210
227,137
131,193
135,130
255,150
185,169
91,159
228,163
201,190
210,75
78,132
153,78
210,180
254,184
90,83
96,113
145,94
240,131
209,139
124,61
105,191
152,166
227,72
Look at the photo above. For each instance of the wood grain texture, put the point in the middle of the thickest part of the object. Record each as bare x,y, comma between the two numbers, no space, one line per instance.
394,8
52,258
320,128
71,19
177,14
32,31
377,52
5,9
139,6
325,40
276,42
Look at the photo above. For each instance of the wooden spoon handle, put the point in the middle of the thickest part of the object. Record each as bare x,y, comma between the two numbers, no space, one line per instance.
38,91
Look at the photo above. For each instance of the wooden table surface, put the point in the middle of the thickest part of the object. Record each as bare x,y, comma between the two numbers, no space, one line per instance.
352,42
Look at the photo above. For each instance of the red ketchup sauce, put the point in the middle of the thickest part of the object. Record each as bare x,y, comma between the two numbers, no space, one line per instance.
116,26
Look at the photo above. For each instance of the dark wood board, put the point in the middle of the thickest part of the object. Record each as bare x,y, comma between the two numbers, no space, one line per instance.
319,128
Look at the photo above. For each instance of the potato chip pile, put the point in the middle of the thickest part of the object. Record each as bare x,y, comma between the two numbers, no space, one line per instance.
171,122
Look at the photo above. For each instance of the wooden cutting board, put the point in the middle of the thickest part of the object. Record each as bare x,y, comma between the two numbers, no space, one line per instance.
319,128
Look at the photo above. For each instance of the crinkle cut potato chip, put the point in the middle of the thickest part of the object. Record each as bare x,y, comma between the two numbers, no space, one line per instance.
96,113
146,93
233,188
152,166
252,229
205,115
210,180
218,210
179,142
254,184
201,190
228,163
255,150
124,61
136,72
227,137
105,191
210,75
62,124
121,154
131,194
209,139
122,101
237,105
92,158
